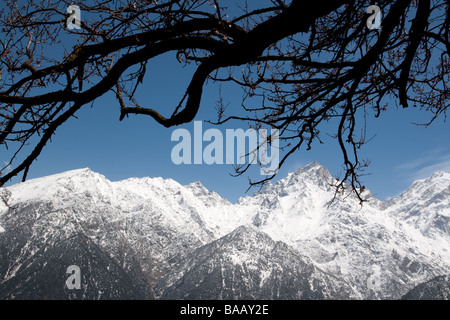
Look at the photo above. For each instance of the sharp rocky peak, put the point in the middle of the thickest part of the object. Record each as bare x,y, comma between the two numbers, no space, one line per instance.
312,175
197,185
313,171
428,187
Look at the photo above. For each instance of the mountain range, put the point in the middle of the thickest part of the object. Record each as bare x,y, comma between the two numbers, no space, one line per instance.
153,238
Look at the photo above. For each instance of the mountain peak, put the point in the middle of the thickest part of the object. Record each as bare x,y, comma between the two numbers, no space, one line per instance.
196,184
313,172
441,175
313,165
309,167
45,187
82,172
435,183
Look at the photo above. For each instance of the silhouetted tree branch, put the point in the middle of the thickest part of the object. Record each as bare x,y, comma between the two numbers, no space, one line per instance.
305,66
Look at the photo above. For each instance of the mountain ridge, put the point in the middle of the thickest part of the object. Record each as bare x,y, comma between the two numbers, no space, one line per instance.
149,226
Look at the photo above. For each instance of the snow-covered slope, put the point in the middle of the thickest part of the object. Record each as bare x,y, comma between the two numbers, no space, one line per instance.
150,227
144,224
376,247
248,264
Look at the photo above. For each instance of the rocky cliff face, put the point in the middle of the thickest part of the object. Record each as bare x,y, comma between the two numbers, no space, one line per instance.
437,288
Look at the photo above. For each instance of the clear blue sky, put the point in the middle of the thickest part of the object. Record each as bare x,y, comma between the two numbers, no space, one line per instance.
137,147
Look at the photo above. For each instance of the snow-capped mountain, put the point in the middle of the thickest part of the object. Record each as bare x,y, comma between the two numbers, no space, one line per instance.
379,248
154,238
